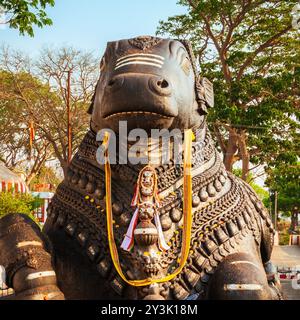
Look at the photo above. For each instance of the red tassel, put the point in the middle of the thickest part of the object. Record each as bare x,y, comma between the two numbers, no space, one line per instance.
31,134
135,196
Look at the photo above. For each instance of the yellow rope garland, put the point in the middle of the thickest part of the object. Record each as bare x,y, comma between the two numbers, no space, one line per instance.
187,214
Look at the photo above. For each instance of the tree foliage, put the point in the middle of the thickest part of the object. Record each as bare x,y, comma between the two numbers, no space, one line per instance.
285,180
260,191
15,149
46,175
35,92
23,14
251,52
17,203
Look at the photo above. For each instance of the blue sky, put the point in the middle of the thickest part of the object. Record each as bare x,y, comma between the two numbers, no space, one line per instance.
90,24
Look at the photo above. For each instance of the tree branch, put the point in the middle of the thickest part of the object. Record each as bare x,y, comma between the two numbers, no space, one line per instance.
220,138
261,48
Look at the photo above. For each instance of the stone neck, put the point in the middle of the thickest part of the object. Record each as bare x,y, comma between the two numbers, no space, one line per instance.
204,157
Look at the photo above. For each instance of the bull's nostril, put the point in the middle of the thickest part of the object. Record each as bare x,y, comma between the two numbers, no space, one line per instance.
111,82
163,83
160,86
115,83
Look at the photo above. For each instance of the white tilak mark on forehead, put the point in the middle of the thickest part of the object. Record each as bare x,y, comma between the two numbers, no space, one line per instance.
148,55
140,59
153,64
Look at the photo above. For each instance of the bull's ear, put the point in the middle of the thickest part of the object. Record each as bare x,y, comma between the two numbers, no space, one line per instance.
204,88
204,94
91,107
208,90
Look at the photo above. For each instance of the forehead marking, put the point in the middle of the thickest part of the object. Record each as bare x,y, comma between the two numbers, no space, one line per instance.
141,59
149,55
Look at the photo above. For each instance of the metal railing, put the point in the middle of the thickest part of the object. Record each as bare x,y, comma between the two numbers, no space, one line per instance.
294,240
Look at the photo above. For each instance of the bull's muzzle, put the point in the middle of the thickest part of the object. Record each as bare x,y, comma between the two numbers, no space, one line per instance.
137,92
155,84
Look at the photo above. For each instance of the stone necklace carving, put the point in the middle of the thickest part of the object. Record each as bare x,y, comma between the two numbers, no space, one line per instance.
215,198
147,235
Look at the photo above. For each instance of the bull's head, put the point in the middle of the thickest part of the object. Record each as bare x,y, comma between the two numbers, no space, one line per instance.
151,83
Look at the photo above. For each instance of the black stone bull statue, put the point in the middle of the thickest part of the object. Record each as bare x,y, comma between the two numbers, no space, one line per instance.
152,84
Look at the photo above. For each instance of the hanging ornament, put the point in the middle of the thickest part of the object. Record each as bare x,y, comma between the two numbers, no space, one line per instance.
187,211
146,201
31,134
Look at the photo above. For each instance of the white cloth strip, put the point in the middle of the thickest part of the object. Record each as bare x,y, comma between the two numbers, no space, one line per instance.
41,274
139,62
145,230
163,246
29,243
140,59
141,55
2,278
246,262
242,286
129,240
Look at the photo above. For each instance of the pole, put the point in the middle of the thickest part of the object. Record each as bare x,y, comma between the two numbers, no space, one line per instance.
69,117
275,210
270,205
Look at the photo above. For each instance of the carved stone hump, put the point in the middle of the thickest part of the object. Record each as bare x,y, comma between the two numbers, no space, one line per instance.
144,42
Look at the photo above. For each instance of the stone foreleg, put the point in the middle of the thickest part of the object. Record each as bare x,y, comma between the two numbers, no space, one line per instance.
241,276
25,254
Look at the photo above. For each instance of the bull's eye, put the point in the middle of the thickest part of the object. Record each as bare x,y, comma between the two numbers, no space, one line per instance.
102,64
186,66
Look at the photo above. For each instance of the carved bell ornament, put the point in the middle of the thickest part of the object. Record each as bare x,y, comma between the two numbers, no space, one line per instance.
146,233
142,230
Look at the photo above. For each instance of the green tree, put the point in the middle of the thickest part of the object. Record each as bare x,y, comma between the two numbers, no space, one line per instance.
251,52
18,92
23,14
262,193
46,175
17,203
285,180
35,92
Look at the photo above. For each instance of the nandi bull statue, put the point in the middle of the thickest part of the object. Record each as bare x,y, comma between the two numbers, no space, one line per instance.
154,231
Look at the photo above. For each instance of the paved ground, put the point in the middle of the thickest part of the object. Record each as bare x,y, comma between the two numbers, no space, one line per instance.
287,257
288,292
